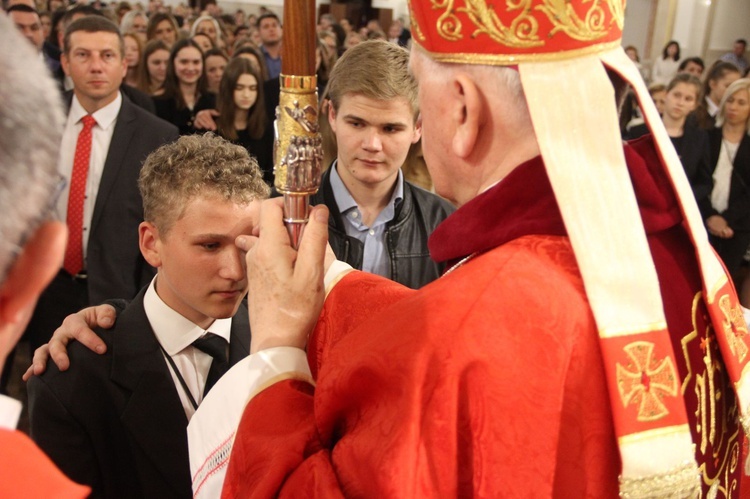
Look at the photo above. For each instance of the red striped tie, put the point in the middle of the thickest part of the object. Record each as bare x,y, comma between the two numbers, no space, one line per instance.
73,262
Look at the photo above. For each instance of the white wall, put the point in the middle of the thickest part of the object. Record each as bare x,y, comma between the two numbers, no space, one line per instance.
731,21
635,32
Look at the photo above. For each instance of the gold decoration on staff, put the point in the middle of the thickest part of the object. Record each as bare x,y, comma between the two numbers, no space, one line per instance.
298,153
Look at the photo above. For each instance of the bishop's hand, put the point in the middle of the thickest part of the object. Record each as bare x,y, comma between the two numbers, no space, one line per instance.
286,290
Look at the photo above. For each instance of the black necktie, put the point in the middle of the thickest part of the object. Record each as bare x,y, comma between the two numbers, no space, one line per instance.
216,347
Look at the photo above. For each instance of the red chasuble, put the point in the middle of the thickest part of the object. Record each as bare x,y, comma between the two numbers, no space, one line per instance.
26,472
488,382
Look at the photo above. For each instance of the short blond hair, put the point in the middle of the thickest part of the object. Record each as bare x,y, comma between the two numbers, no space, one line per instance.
197,165
374,69
736,86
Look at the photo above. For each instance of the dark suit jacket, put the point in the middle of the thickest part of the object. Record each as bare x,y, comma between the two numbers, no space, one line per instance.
737,213
115,266
694,155
115,421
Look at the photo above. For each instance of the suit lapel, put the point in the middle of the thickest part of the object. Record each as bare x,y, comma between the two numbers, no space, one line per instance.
239,337
152,412
125,127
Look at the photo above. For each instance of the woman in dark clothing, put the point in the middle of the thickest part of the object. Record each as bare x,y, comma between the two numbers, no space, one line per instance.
727,211
242,114
185,87
718,78
690,142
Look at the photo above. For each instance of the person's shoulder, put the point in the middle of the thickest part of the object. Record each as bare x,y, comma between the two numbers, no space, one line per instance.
86,367
694,133
140,99
150,124
427,198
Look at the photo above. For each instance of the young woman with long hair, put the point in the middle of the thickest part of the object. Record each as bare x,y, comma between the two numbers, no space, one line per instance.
184,88
162,26
242,115
216,61
153,68
133,51
718,78
690,142
665,67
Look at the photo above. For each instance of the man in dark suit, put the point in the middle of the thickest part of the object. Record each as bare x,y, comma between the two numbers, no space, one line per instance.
140,99
28,23
101,161
117,422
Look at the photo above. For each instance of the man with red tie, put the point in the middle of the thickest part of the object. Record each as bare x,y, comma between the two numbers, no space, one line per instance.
105,140
31,245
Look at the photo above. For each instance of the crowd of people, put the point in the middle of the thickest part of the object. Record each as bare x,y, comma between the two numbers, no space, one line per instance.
164,159
177,56
707,117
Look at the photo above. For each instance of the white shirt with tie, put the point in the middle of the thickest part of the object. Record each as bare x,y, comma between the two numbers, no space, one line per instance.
101,138
176,334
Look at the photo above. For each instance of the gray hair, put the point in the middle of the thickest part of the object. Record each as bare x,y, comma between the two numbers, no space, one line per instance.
31,124
194,27
500,80
126,23
736,86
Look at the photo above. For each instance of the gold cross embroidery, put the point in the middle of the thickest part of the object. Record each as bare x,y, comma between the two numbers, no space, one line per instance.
646,381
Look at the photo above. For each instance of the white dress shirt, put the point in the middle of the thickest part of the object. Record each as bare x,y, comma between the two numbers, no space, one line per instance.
100,141
10,411
375,256
176,334
723,176
211,432
712,108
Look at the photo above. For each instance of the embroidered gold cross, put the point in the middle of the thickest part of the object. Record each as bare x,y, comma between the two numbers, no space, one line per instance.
646,381
735,327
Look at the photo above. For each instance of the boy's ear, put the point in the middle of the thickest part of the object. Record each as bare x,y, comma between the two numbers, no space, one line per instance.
148,239
332,117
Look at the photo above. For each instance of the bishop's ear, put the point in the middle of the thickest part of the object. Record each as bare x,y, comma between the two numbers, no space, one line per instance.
34,268
467,114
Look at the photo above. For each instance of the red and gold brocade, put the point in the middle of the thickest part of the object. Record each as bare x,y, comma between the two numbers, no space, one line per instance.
490,381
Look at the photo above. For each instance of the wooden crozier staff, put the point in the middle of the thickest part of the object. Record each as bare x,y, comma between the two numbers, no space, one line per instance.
298,153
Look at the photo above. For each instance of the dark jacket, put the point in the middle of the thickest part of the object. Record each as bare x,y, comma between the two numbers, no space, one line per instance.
182,117
116,268
417,215
737,213
115,421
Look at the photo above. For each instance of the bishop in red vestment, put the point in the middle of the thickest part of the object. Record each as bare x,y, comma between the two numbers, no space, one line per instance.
586,342
485,382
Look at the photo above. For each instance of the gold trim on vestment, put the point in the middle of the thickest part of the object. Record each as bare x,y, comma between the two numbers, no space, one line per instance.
716,288
655,433
512,59
682,482
648,328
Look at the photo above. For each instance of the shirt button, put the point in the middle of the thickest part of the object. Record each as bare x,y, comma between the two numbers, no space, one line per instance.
355,214
372,232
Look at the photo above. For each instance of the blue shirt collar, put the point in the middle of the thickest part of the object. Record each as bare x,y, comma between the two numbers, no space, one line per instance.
346,202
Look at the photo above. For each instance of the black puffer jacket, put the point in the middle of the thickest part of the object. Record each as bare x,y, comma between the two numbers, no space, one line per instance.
417,215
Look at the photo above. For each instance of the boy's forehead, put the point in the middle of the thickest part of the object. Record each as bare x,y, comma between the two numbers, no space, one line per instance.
370,108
